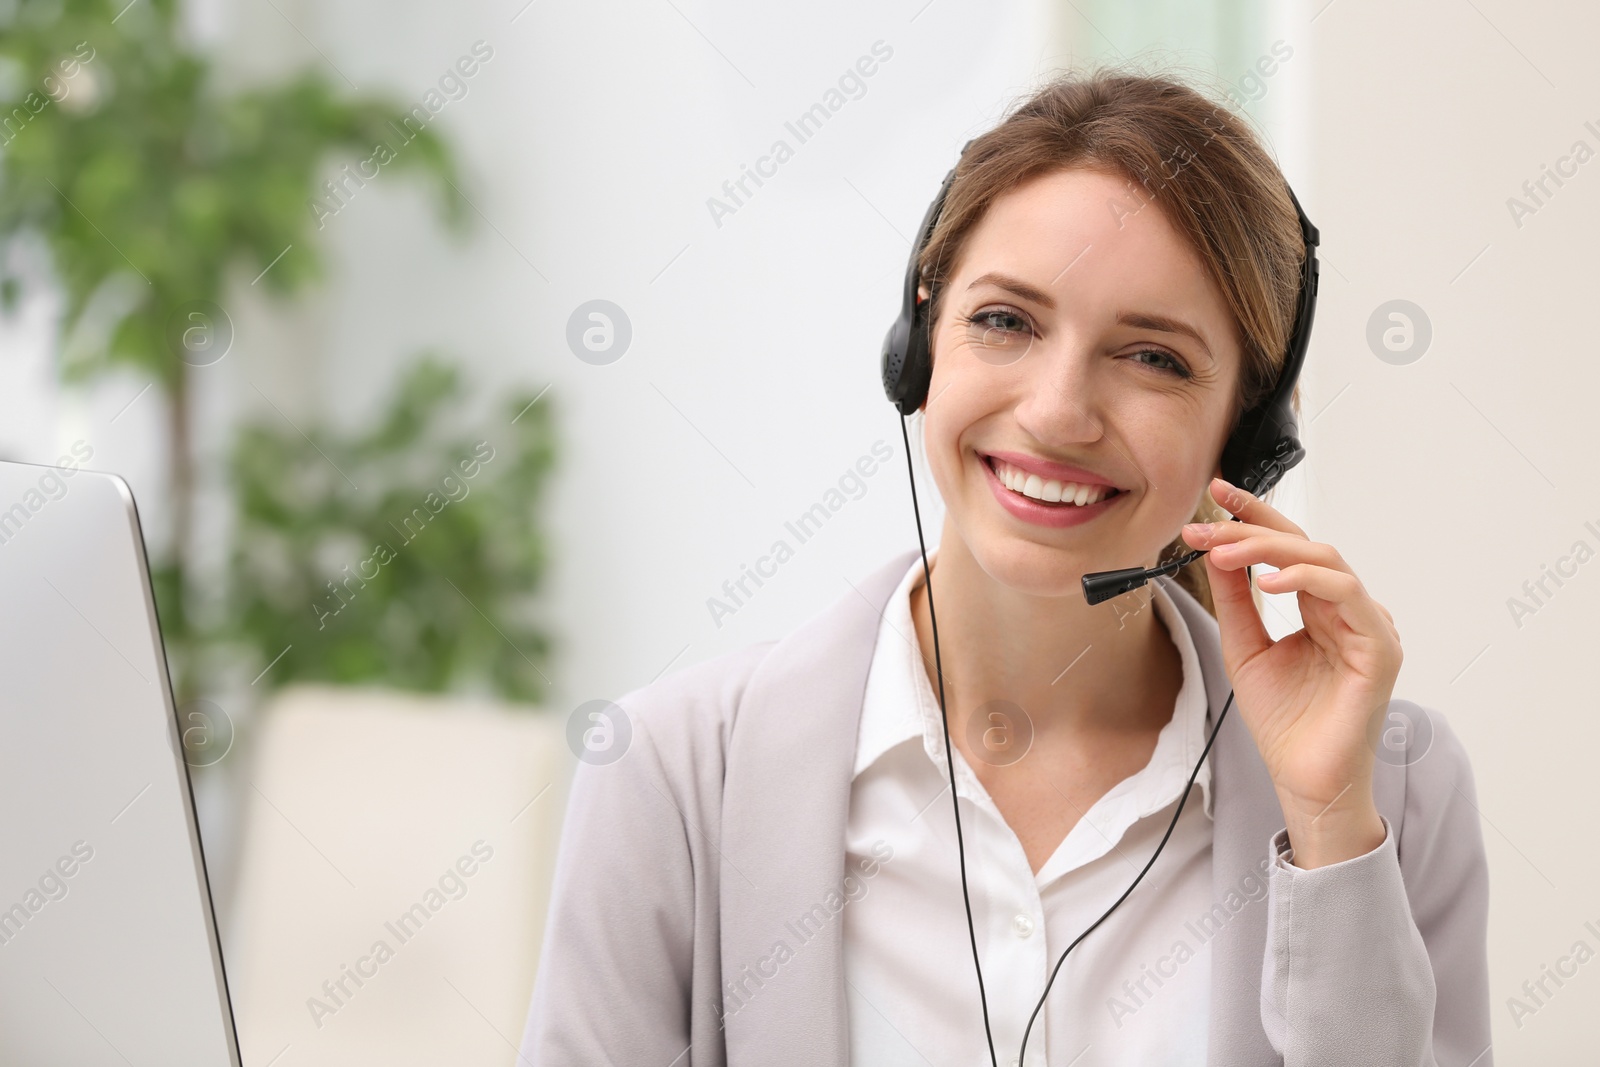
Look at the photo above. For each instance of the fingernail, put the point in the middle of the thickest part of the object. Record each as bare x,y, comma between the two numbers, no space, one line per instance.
1233,497
1198,531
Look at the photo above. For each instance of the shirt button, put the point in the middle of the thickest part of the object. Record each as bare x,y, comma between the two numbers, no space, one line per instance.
1022,924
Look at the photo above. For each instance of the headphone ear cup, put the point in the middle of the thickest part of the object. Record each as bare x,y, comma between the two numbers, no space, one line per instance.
907,365
1266,442
891,362
904,366
1255,461
919,361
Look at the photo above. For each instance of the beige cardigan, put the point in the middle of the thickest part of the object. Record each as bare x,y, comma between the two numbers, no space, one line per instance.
686,862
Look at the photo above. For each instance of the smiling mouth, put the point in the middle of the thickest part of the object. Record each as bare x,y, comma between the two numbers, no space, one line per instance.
1049,493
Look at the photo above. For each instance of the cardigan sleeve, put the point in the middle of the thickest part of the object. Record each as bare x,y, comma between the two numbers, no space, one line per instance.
1382,959
615,966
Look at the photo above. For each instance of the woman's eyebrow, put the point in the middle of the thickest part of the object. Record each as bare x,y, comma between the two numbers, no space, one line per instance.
1017,286
1146,321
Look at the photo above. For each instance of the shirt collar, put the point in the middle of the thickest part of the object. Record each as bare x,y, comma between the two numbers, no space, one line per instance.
901,704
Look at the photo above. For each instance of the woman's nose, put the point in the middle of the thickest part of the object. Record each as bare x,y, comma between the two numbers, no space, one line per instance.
1061,405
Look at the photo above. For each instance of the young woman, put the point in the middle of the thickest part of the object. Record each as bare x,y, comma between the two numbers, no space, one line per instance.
772,872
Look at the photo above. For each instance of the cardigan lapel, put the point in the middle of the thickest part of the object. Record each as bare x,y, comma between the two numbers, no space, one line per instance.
786,799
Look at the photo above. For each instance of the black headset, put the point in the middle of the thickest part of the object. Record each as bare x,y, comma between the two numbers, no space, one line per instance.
1263,445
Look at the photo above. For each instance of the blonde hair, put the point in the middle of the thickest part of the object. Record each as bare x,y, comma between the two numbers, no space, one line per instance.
1202,165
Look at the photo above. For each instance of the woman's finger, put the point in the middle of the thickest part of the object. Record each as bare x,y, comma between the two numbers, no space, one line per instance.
1278,550
1250,508
1211,534
1339,588
1244,635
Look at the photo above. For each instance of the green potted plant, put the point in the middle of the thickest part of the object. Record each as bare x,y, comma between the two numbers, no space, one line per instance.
151,186
404,555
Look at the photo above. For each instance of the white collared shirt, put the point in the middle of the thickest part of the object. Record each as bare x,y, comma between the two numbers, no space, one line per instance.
1136,991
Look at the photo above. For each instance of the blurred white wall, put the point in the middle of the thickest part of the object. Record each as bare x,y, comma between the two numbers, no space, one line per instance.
1450,481
594,138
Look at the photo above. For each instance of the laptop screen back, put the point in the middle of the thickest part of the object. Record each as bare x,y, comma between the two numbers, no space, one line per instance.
108,949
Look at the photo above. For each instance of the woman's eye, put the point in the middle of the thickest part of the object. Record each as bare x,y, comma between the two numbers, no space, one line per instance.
998,324
1171,364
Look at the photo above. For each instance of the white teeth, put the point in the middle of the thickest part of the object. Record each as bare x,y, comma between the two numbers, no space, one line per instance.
1032,485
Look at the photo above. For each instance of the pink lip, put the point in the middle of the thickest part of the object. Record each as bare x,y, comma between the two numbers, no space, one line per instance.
1048,470
1041,514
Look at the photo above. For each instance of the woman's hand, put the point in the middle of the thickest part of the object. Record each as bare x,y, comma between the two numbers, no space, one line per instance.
1313,700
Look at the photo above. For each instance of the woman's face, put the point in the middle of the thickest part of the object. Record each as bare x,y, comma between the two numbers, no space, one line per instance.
1080,330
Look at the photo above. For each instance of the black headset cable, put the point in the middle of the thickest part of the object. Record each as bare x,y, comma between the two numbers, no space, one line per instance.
950,767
